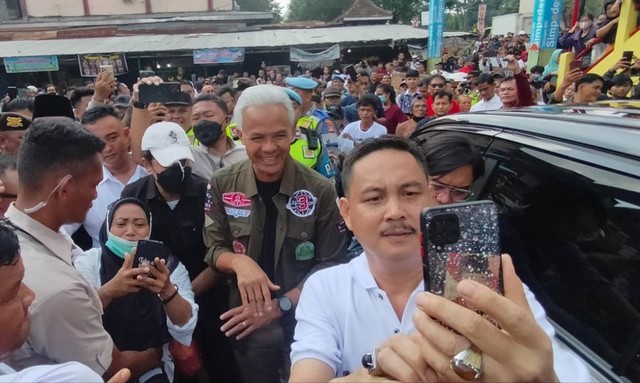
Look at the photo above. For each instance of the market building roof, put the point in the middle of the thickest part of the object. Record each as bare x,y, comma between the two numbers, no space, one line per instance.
308,37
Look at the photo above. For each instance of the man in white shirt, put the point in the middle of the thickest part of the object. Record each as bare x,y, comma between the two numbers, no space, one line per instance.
349,310
359,131
118,168
489,100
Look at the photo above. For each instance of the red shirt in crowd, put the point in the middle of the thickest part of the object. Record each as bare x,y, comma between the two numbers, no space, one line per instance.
455,108
394,117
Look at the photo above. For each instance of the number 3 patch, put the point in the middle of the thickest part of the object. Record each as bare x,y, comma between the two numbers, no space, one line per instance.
302,203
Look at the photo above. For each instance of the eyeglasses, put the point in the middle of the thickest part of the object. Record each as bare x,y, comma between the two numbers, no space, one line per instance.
437,85
457,194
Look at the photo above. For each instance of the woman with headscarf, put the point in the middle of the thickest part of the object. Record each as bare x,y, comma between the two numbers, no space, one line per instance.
550,72
146,306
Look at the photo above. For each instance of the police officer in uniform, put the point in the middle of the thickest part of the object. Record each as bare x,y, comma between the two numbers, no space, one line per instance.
270,222
301,148
312,123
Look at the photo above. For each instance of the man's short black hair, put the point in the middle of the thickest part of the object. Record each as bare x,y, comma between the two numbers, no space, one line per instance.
78,93
424,82
364,73
198,86
375,145
621,79
244,83
589,78
91,116
485,78
412,73
367,100
213,98
19,103
508,78
9,245
55,144
437,75
443,94
226,89
447,152
186,82
538,69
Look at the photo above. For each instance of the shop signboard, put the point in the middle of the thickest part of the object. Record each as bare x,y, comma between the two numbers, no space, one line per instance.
90,63
31,64
218,56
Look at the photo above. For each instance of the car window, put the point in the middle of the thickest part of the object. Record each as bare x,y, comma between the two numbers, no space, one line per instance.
573,230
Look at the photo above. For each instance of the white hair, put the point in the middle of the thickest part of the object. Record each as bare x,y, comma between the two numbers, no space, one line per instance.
261,95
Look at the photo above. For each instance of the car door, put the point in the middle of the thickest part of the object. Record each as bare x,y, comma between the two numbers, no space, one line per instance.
570,218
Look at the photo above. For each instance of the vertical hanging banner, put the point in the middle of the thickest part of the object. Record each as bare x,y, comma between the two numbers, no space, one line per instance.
436,28
545,28
482,12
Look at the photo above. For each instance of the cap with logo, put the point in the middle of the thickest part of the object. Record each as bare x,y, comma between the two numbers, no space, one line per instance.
293,95
167,142
337,77
301,82
13,122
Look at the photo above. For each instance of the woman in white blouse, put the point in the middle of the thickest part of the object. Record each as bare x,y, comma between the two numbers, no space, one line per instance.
144,307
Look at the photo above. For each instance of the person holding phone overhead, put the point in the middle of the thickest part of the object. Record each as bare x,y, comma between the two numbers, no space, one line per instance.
143,306
367,312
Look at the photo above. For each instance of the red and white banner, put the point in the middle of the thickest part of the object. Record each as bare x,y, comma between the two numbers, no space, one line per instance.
482,11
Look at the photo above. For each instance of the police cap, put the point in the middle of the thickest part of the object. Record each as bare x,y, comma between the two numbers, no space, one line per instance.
301,82
13,122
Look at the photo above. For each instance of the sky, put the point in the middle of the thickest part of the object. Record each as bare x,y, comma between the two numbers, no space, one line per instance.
283,3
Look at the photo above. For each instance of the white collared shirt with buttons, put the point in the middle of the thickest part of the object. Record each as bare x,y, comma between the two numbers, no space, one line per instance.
109,190
482,105
343,314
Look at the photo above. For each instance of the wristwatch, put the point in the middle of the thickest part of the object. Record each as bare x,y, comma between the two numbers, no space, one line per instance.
139,105
285,304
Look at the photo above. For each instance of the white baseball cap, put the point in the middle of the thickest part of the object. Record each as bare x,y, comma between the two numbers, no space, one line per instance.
167,142
32,88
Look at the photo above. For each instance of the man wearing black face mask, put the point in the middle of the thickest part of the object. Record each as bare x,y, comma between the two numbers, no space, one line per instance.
209,119
176,198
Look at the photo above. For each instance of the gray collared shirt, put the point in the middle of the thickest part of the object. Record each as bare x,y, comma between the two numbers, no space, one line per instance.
66,316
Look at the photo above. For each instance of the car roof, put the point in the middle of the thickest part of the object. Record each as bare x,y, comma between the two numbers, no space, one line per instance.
611,125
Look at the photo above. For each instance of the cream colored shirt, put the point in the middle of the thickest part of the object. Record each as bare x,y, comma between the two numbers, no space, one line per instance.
66,316
207,162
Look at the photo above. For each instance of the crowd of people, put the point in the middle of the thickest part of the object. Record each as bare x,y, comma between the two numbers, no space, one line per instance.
255,273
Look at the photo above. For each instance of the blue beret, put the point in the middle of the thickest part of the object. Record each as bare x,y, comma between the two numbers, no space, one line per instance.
293,95
300,82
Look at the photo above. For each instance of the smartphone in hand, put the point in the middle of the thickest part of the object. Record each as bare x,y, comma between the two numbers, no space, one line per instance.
575,64
351,71
148,250
162,93
461,241
107,72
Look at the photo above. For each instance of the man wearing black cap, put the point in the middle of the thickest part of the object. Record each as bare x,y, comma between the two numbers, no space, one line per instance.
12,129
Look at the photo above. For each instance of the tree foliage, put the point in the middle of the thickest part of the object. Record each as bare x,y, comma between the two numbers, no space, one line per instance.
261,6
403,10
321,10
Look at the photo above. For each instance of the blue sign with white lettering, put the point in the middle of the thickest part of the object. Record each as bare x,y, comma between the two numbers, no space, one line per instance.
545,28
436,28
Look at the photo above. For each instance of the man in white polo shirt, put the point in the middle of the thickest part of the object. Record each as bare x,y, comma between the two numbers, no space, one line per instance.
349,310
118,167
489,100
357,132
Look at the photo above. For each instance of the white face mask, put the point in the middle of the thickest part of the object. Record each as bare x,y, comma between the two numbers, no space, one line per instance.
585,24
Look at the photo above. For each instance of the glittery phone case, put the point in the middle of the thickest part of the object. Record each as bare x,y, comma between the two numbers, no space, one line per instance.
461,241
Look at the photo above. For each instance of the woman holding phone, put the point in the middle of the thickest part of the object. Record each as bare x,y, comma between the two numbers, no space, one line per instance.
144,306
